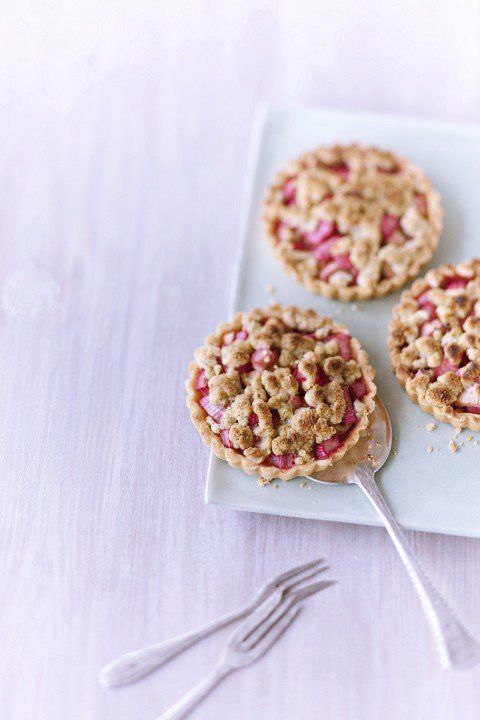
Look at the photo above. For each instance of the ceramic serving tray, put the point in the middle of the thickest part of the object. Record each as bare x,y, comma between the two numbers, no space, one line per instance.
437,491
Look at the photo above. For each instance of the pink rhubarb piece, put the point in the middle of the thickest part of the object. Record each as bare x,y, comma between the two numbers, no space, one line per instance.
321,379
264,358
343,345
324,230
229,337
298,375
202,383
341,169
215,411
323,252
421,204
426,305
428,328
324,449
359,389
350,416
296,402
289,192
341,262
389,224
444,367
474,409
225,437
456,284
241,335
253,420
282,462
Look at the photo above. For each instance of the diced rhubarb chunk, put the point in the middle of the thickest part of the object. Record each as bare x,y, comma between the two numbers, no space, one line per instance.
428,328
289,192
296,402
202,383
320,378
341,262
264,358
397,238
244,368
474,409
426,304
344,348
253,420
324,230
323,252
241,335
298,375
424,298
215,411
457,283
350,416
275,418
430,309
341,169
444,367
229,337
300,244
282,462
324,449
225,437
389,224
421,204
359,388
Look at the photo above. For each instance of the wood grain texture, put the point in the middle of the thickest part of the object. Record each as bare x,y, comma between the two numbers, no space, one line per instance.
124,136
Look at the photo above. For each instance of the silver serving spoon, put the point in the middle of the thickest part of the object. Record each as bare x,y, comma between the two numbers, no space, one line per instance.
456,646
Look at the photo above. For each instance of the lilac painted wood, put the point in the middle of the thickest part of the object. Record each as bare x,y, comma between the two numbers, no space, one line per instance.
124,135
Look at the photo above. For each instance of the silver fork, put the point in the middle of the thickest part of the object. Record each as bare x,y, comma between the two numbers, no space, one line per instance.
250,641
135,665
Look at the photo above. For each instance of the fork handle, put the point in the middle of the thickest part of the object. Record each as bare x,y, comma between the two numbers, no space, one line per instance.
135,665
456,646
189,701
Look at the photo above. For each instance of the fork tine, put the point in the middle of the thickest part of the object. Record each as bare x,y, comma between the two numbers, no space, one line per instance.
283,577
278,629
251,638
257,617
299,579
305,592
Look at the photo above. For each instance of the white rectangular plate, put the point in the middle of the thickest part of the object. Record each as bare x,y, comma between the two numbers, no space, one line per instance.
437,492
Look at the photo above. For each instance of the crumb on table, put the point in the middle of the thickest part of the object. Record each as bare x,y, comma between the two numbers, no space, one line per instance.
453,446
430,426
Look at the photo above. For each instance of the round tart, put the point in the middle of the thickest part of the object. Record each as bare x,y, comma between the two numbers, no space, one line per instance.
435,343
352,222
280,392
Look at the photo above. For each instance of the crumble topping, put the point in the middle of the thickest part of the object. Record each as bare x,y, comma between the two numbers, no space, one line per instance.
282,387
435,343
352,222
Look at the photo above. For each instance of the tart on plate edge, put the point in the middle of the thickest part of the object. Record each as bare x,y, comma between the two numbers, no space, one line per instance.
435,343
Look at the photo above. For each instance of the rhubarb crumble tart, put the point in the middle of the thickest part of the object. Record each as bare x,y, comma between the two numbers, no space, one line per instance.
352,222
280,392
435,343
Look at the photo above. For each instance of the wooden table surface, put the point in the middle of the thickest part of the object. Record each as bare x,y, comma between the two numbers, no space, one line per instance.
124,132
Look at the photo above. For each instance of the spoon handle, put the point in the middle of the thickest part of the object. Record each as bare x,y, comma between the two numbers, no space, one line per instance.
456,646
